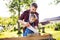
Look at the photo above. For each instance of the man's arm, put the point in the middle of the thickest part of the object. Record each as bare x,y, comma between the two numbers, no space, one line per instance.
24,23
22,17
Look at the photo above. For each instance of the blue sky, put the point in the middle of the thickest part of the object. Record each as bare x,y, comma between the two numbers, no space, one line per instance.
45,9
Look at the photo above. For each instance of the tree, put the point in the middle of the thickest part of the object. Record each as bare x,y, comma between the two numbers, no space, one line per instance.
15,6
55,2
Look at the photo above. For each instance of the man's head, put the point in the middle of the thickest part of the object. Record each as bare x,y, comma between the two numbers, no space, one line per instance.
33,7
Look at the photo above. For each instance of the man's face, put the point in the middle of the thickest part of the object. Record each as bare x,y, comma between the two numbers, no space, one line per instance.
33,9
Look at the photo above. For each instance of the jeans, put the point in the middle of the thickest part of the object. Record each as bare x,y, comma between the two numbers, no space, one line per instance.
27,32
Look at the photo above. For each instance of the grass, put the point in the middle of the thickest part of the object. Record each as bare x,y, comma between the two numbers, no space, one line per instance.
55,34
7,34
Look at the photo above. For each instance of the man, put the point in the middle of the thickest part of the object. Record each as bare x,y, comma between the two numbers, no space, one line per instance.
30,18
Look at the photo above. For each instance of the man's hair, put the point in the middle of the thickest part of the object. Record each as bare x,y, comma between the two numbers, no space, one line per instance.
34,4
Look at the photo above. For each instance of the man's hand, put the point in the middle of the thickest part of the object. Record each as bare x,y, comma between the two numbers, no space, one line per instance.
26,24
36,27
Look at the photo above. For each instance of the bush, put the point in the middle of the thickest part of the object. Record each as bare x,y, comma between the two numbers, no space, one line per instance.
58,26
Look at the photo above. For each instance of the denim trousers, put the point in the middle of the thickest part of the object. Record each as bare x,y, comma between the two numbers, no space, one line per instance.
28,31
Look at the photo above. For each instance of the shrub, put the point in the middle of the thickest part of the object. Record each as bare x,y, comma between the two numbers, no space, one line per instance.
58,26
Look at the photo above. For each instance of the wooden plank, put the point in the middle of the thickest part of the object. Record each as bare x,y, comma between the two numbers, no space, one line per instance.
34,37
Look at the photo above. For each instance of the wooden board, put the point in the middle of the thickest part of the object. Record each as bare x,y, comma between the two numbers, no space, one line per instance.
34,37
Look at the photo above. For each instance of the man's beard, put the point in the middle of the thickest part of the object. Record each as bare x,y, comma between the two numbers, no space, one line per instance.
32,12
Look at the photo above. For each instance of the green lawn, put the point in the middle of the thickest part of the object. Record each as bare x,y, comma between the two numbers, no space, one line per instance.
55,34
8,34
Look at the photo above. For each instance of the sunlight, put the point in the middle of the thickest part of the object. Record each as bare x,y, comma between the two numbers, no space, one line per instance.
45,9
4,11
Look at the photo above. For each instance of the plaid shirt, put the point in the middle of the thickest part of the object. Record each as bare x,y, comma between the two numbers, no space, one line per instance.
25,16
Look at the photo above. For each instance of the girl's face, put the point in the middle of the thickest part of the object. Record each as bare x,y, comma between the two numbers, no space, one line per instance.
32,19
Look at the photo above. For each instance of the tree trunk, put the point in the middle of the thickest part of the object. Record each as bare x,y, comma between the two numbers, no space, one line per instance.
19,32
